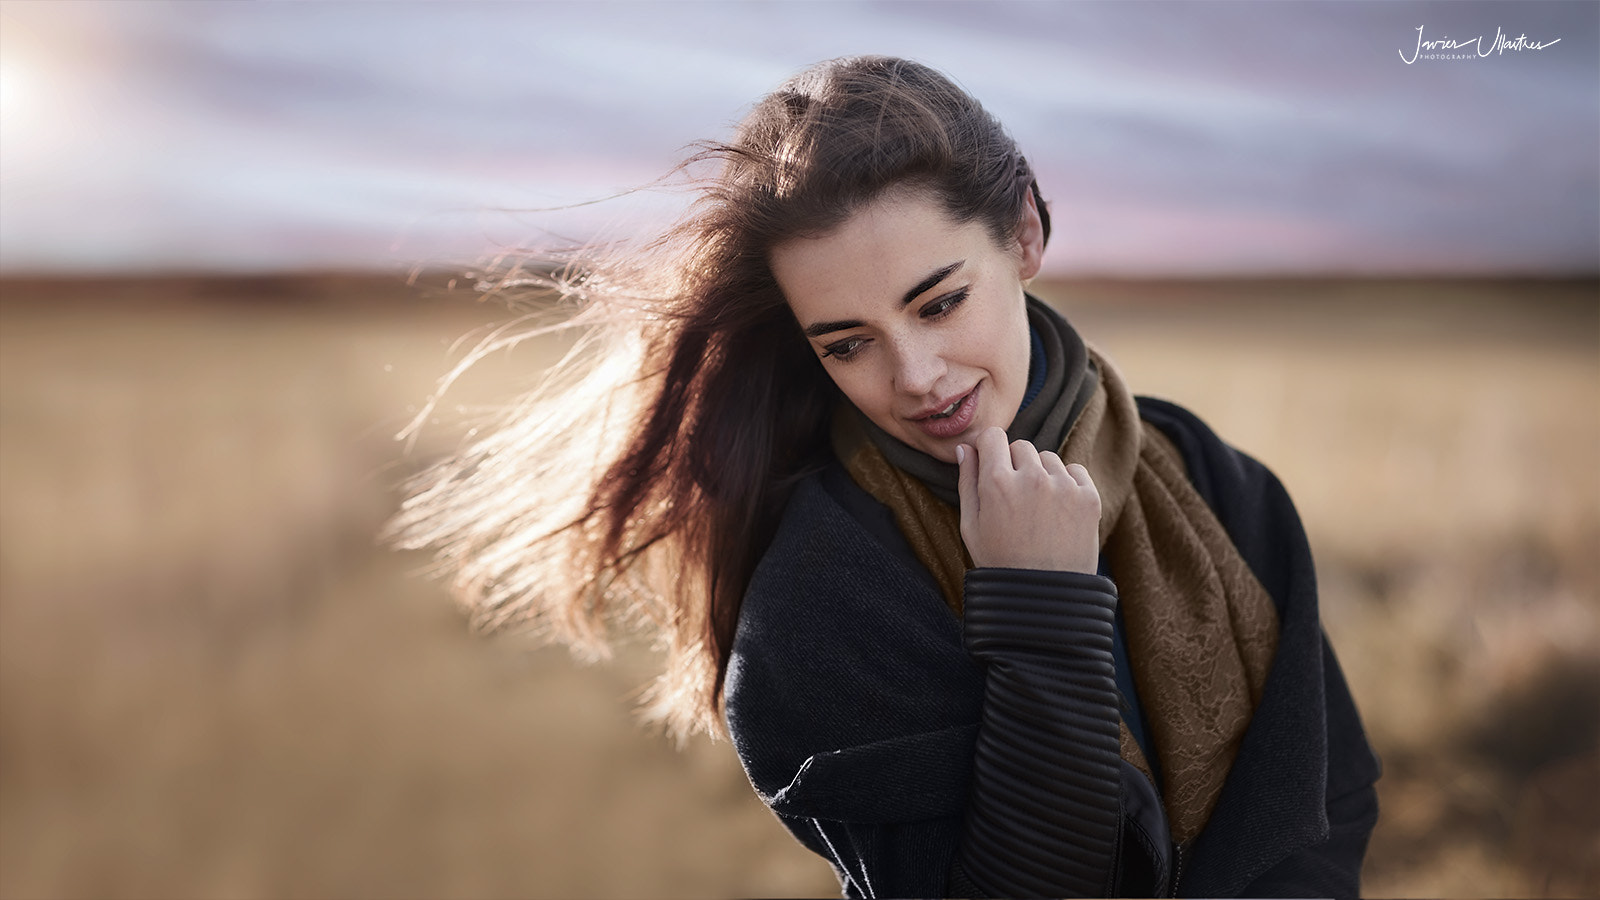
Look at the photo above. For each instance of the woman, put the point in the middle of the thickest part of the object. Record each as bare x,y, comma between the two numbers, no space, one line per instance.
978,620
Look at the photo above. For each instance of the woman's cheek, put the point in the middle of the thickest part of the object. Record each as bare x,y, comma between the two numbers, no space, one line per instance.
869,389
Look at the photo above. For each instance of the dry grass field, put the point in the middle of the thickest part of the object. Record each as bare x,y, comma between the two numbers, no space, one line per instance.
213,683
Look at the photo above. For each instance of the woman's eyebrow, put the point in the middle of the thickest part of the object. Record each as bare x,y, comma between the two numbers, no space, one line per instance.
822,328
931,280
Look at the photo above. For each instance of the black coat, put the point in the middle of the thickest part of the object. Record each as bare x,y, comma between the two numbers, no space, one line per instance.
856,703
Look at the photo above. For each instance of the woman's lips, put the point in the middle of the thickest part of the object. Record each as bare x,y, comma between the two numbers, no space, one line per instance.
956,422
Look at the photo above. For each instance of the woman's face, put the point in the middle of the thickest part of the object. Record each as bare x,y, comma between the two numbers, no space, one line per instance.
920,321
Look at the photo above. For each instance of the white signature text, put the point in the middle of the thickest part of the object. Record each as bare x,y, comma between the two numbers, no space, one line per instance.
1500,44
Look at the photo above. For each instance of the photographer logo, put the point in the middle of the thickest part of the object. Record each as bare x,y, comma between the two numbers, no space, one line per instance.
1445,48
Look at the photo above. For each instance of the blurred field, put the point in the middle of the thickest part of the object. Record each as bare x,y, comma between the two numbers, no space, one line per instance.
214,684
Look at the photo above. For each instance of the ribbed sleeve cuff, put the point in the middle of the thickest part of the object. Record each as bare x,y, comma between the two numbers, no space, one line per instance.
1038,611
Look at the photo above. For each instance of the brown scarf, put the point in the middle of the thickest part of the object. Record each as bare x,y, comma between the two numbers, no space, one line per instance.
1201,630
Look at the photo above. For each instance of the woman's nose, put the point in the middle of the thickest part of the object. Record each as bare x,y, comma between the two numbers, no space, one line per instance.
918,369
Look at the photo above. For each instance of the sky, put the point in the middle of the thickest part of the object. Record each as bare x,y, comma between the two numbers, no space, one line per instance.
1172,139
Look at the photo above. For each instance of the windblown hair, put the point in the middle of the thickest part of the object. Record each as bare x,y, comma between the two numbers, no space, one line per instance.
642,481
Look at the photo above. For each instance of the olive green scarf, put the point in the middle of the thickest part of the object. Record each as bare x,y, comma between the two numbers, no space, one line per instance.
1201,630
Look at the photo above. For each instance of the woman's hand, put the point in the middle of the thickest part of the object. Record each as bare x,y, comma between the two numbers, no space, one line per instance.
1023,509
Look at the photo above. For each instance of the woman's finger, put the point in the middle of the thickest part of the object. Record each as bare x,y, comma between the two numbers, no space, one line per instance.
967,483
1024,457
993,456
1052,463
1080,475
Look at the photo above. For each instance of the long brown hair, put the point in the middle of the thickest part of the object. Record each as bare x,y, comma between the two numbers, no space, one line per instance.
645,478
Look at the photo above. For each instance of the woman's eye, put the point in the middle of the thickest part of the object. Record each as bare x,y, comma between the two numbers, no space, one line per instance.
944,305
844,349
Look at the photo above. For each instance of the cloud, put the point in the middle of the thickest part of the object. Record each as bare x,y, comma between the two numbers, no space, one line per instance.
1171,137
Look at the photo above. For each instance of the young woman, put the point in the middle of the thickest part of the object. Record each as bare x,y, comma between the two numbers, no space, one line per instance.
978,620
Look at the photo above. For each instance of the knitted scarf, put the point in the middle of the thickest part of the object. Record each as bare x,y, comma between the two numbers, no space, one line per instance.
1201,630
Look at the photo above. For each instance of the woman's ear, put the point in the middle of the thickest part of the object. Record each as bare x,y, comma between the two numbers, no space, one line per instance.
1030,235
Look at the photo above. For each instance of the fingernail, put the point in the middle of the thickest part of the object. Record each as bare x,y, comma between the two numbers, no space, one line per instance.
961,454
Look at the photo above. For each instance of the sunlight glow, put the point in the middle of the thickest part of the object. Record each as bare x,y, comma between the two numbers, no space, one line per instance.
13,92
22,146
